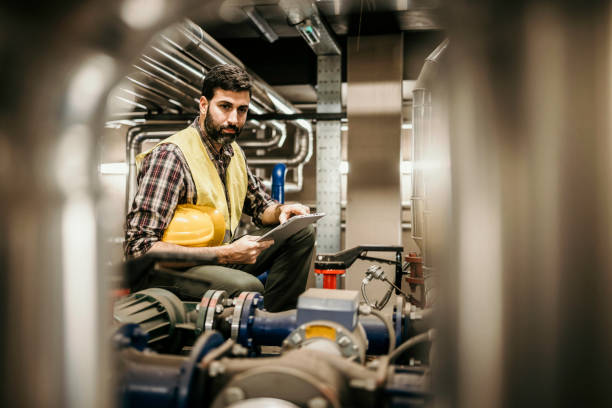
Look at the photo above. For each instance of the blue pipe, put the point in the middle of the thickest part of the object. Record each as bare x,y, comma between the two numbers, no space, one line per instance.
377,334
278,193
162,381
278,182
270,329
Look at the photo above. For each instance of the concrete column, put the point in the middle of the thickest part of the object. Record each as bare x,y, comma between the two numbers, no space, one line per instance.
374,110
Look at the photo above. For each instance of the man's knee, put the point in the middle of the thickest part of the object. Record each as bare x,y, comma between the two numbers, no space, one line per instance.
231,280
248,283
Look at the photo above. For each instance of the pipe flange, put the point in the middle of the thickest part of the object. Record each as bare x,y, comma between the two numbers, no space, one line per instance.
252,300
238,302
209,341
208,308
202,308
217,300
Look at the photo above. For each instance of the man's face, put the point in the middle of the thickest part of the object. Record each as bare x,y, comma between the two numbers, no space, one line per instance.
225,114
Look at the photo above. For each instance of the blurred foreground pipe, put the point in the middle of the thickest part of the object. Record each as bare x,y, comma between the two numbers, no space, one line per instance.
527,279
52,255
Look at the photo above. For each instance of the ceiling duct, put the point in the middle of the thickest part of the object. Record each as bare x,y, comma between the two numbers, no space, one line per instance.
305,17
260,23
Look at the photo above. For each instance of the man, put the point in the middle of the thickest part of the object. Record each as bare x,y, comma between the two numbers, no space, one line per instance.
203,165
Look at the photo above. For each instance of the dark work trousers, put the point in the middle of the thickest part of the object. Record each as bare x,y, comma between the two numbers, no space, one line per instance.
288,264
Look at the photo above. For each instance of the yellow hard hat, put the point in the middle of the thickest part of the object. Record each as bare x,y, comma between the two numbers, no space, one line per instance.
195,226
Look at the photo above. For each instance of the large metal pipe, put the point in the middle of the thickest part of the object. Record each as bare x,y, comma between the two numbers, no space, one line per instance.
527,280
53,253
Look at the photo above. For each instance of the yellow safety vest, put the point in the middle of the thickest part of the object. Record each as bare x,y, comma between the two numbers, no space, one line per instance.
207,181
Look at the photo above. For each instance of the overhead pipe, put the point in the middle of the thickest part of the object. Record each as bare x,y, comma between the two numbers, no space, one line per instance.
213,44
167,91
195,42
143,96
206,43
162,85
162,74
167,74
188,67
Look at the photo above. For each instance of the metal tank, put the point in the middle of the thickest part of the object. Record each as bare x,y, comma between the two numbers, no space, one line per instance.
430,170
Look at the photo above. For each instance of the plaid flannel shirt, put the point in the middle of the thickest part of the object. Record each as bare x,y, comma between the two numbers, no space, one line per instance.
165,181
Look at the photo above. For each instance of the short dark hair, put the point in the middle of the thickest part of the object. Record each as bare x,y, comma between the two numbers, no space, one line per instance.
227,77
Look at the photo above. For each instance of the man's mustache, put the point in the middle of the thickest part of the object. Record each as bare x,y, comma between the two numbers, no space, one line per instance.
230,127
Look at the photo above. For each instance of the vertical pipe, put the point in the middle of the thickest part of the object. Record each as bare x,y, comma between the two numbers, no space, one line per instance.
278,182
54,270
528,277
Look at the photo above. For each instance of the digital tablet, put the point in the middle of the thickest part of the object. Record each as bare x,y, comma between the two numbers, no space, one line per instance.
290,227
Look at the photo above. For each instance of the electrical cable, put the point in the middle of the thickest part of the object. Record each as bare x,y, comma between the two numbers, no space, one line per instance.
363,292
421,338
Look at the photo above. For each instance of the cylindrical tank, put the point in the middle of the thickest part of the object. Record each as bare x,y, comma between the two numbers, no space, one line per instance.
430,169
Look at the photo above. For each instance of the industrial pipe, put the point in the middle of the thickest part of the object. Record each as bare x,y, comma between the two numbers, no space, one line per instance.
278,182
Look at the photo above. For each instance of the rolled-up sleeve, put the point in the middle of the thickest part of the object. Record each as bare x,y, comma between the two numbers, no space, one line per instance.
160,188
257,198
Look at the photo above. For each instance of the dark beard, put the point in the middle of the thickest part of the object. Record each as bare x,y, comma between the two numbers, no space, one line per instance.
216,134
